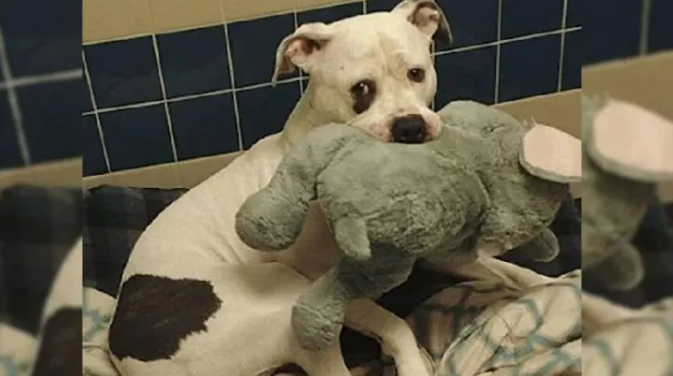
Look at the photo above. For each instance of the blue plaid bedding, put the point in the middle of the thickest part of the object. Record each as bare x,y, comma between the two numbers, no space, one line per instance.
37,228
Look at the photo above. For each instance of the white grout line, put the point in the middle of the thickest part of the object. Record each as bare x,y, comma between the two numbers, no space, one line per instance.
506,41
559,78
95,112
124,107
190,96
433,49
234,95
162,84
295,79
364,6
13,99
645,27
232,78
68,75
301,74
496,89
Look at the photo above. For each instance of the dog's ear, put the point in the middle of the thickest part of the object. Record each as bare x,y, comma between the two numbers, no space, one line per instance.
427,17
301,49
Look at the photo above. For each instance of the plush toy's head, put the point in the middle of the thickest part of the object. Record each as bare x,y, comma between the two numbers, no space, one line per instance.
627,151
488,184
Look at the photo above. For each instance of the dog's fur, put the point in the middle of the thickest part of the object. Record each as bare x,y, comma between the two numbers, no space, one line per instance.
195,300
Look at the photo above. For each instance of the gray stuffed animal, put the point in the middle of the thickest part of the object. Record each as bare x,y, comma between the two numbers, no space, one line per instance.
488,184
627,151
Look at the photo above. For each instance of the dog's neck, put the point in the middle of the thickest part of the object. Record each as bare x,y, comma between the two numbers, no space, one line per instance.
303,119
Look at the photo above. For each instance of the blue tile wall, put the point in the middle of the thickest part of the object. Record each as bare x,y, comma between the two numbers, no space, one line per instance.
10,154
41,85
615,29
529,67
524,17
466,75
472,22
194,61
53,114
263,111
253,47
331,14
572,60
660,35
204,126
186,75
174,96
148,143
94,163
123,72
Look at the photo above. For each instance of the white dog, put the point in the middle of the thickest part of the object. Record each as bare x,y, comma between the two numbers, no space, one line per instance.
195,300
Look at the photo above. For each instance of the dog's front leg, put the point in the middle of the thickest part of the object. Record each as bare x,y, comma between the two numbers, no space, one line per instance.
395,336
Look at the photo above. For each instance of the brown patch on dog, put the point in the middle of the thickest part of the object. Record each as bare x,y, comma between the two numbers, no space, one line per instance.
154,314
60,351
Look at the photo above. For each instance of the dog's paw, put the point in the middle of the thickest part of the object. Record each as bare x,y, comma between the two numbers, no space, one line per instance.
314,329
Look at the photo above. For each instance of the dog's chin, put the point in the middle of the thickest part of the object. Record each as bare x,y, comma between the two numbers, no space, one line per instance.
383,134
380,134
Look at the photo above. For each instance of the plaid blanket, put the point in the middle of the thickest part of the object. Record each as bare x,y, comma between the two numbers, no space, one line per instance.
38,227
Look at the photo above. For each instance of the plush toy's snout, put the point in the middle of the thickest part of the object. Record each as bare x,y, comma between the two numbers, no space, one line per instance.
271,219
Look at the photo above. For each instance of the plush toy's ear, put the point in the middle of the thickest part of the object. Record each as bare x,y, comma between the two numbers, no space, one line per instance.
632,142
427,17
301,49
551,154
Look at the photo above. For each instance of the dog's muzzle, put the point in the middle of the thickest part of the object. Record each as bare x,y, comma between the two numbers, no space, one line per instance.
409,129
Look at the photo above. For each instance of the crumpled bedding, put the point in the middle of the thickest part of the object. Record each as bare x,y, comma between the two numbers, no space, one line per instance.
487,328
528,326
523,325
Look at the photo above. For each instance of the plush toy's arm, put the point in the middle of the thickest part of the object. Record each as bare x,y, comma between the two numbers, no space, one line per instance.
622,270
351,235
318,315
272,219
544,247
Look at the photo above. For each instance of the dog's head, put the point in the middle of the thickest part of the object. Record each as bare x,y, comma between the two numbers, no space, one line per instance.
373,71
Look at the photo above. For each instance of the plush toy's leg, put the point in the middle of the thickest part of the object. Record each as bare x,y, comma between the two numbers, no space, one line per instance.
544,247
622,270
351,235
318,315
395,336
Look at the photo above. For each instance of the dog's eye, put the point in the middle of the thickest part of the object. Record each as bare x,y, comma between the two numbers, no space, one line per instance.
362,88
416,74
363,94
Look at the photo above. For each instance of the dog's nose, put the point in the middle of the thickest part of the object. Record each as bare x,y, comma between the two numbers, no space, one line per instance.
409,129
